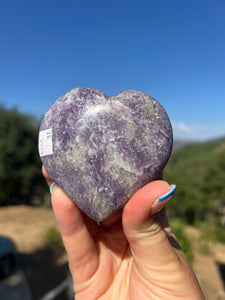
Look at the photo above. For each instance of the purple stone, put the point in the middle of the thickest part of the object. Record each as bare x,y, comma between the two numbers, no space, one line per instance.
100,150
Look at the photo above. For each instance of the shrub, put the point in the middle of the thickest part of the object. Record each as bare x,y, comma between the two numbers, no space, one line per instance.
178,229
53,240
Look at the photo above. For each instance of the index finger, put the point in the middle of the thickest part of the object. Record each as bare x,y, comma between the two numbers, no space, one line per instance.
77,238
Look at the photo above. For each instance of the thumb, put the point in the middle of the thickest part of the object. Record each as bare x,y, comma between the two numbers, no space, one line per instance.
144,227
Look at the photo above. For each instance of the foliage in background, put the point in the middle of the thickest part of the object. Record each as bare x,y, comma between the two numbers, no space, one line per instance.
199,173
53,240
20,166
212,231
178,227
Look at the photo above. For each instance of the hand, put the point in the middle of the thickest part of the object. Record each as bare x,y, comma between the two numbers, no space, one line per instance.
132,255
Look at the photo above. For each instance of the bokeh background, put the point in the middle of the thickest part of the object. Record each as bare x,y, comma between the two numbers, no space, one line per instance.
173,50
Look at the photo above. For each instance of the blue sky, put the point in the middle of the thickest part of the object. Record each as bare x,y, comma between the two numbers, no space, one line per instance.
173,50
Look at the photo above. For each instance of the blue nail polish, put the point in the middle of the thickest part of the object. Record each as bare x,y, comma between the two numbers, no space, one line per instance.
52,187
167,195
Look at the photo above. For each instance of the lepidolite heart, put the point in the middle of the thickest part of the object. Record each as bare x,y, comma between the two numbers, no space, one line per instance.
100,150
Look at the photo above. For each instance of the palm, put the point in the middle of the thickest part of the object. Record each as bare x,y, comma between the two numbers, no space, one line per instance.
109,261
113,272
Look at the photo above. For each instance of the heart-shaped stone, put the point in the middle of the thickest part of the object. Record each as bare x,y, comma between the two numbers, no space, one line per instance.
100,150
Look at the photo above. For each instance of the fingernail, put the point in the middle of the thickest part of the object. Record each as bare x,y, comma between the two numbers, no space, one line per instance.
52,187
160,202
167,195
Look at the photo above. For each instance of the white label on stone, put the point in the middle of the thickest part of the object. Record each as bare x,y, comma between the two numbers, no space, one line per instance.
45,142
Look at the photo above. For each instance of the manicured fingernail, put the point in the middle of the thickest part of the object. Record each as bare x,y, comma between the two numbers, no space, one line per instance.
160,202
52,187
167,195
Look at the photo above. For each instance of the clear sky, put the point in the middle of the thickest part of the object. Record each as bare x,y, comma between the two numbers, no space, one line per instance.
173,50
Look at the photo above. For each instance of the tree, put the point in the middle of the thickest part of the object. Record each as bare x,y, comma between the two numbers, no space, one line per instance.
20,166
199,173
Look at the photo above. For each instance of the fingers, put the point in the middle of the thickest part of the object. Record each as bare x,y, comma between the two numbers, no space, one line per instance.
79,244
156,252
145,234
77,239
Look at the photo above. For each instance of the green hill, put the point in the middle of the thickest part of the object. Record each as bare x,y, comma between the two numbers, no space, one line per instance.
198,170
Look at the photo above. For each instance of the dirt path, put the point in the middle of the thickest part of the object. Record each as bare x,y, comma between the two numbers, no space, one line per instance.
27,226
208,267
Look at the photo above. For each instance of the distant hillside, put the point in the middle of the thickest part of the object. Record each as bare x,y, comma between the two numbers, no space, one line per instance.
180,144
198,170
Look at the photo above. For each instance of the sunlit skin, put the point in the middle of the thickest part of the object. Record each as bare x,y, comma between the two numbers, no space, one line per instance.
132,255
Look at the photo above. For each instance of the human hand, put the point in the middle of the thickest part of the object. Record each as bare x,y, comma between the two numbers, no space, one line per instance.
132,255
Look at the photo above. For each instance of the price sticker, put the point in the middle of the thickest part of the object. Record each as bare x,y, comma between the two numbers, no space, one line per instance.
45,142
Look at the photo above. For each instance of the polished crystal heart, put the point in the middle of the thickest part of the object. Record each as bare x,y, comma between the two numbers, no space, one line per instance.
100,150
